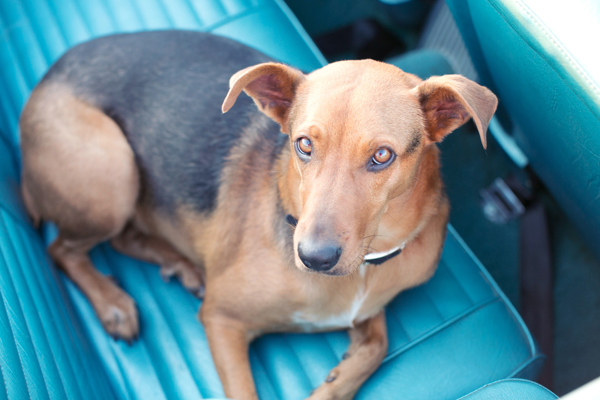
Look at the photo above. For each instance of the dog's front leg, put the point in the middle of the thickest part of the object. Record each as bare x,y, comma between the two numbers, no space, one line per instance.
368,346
228,341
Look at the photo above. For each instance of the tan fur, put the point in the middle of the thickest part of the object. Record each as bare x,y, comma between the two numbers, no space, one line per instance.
255,281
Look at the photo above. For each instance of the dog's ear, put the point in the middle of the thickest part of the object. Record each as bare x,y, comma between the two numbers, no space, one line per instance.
449,101
271,85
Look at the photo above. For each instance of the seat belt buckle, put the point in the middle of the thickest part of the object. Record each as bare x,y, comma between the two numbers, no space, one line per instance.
500,204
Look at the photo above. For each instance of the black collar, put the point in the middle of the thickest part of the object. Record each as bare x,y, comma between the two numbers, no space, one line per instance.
371,258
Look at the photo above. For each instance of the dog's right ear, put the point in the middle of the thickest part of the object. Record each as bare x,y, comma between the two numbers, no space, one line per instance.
271,85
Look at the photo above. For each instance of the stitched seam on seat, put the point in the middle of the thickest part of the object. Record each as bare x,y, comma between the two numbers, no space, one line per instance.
68,338
73,330
306,377
23,24
52,321
481,389
524,365
165,12
10,323
435,308
17,219
400,324
85,21
19,80
328,342
221,6
128,388
560,46
111,16
138,14
460,285
232,18
274,387
67,42
285,9
4,381
439,328
28,25
10,243
193,12
1,370
15,340
176,338
499,293
44,336
582,73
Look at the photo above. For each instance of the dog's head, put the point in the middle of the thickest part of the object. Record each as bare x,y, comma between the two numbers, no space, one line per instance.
358,131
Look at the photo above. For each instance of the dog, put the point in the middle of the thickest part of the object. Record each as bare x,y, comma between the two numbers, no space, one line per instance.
309,205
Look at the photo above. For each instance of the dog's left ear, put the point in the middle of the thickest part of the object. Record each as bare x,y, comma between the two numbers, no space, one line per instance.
449,101
271,85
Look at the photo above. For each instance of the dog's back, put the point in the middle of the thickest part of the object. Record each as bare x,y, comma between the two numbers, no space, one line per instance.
128,123
164,90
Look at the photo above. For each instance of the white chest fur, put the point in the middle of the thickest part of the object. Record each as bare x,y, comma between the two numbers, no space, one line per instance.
310,322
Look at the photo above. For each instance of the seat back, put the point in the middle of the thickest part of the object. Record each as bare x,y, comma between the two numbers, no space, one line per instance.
540,58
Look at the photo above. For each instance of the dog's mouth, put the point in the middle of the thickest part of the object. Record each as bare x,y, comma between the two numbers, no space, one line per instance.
326,253
332,272
343,266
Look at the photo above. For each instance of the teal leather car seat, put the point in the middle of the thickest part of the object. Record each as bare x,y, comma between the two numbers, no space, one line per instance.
540,57
511,389
448,337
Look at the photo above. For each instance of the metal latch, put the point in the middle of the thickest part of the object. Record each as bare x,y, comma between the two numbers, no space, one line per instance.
500,204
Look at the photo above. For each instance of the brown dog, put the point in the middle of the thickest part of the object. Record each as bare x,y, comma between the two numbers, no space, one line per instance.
123,140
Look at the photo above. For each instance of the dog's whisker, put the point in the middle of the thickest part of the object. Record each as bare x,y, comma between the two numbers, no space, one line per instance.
390,215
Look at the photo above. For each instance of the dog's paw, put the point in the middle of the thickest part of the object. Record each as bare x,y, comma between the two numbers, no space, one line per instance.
187,273
119,316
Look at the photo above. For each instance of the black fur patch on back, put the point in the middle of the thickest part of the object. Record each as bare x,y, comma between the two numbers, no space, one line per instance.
165,90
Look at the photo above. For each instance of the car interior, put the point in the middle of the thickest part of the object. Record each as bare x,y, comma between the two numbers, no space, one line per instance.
513,311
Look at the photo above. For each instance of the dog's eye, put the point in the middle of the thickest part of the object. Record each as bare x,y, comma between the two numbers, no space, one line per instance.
304,146
382,156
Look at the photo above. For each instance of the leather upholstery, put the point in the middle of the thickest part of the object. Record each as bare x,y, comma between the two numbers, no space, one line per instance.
547,76
511,389
458,332
44,352
447,338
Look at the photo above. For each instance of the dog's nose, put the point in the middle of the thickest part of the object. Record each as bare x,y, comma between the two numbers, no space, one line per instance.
319,258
